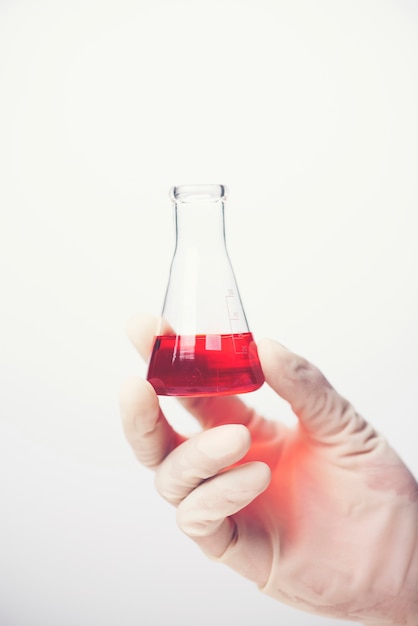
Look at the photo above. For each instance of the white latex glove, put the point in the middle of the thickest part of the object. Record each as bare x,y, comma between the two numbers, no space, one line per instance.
323,517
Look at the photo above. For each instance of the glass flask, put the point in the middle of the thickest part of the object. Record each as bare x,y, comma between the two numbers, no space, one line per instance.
203,345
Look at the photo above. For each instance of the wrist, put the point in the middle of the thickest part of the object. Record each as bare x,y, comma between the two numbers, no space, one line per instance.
400,607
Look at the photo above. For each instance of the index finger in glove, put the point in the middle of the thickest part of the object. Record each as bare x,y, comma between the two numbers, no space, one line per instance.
147,430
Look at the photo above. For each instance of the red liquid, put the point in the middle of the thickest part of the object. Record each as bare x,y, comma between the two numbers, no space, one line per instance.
201,365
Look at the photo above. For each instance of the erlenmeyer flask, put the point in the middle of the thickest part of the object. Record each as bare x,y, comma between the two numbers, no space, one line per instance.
203,345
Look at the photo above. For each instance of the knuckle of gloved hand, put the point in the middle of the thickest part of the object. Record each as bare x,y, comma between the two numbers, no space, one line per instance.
302,373
168,487
310,390
192,520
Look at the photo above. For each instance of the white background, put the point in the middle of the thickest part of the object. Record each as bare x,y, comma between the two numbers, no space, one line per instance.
307,110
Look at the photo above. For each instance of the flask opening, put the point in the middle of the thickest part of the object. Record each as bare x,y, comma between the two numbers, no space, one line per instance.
198,193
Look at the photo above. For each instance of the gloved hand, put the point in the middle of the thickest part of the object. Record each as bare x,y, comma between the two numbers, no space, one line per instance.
323,517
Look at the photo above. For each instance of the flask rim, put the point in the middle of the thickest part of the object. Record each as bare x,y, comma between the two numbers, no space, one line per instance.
198,193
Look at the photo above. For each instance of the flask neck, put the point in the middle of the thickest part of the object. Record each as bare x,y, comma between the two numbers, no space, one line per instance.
200,224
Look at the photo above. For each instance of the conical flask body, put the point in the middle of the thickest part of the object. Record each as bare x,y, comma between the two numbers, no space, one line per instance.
203,345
